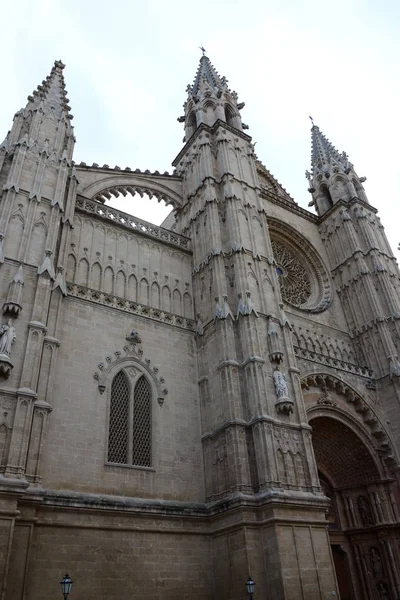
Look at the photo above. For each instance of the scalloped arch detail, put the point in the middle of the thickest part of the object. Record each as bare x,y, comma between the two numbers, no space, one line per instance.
130,354
99,185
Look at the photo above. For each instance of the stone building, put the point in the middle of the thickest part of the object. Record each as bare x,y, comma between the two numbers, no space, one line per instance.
182,406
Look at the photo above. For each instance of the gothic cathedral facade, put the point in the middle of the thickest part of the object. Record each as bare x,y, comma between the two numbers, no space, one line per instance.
185,405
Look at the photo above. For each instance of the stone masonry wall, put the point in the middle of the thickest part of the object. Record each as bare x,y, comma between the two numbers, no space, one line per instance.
77,439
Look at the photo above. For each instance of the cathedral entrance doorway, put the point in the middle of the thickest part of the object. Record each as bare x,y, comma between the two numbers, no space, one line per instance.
362,514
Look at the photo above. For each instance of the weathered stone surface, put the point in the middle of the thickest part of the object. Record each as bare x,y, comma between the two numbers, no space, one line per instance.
193,403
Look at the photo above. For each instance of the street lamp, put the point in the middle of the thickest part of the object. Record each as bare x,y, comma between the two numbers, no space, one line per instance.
66,585
250,587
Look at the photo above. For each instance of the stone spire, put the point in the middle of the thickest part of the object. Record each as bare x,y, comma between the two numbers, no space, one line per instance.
210,99
206,72
324,156
332,177
46,119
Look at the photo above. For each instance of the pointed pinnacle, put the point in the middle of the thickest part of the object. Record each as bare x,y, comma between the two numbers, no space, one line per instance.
207,71
323,152
52,90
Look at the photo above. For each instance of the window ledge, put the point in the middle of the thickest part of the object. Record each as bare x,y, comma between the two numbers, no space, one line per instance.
135,467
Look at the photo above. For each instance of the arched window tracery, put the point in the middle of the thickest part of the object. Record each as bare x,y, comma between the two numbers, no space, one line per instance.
129,432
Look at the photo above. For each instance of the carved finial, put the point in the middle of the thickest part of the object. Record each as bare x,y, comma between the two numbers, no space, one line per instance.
312,121
134,338
46,265
203,49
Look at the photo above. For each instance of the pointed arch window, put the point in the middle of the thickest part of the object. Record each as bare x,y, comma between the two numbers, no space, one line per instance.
229,115
129,434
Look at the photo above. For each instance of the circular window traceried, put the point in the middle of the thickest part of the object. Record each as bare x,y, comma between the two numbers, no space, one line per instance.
294,280
304,281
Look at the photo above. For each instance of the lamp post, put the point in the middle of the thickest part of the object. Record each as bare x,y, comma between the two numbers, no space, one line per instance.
66,585
250,587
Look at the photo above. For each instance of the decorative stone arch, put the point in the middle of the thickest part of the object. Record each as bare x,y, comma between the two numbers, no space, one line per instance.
102,183
125,359
354,455
321,292
363,419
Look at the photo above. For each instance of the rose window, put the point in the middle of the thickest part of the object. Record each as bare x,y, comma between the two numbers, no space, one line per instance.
294,279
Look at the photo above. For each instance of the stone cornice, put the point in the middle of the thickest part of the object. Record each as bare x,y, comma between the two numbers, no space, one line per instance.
194,512
359,252
335,363
343,204
259,419
211,130
116,303
289,205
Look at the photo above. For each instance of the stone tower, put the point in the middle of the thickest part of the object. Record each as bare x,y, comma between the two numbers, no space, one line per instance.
251,402
185,405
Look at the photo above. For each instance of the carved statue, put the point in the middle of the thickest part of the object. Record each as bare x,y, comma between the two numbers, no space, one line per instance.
199,325
365,511
7,338
280,385
376,562
383,591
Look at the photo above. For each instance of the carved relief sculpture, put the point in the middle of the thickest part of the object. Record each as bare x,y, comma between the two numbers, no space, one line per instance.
284,404
7,338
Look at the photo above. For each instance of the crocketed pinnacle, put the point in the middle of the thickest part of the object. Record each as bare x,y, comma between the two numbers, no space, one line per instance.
324,154
207,72
52,92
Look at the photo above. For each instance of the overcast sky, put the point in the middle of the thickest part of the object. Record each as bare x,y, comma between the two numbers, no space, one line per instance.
128,64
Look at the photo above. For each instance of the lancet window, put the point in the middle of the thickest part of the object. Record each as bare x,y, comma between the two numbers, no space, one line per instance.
129,434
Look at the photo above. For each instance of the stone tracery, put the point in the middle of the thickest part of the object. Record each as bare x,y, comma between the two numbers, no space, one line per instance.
304,279
294,279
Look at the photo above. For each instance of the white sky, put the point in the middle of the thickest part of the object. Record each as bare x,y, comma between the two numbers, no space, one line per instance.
128,64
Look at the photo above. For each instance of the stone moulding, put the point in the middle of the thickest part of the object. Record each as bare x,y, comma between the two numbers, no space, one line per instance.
335,363
321,291
366,413
132,223
115,302
131,354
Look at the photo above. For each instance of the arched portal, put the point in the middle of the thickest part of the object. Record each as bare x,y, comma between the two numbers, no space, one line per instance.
363,518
